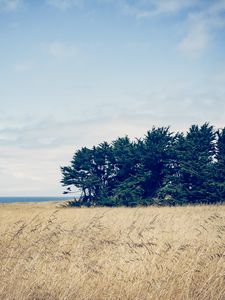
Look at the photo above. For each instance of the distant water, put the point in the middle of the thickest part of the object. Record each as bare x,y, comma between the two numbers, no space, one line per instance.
31,199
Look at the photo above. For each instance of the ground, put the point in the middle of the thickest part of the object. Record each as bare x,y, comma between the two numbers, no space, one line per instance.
52,252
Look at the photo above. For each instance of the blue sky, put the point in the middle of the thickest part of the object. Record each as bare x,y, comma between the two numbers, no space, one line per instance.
77,72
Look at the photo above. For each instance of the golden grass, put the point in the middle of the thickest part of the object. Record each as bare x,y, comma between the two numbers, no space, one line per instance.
48,252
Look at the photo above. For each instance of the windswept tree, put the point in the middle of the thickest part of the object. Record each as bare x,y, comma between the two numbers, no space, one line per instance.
141,166
155,153
128,180
91,171
79,174
125,158
190,176
163,167
218,170
103,170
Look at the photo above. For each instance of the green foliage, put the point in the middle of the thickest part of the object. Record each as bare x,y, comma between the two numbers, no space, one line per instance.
162,168
189,179
155,152
218,168
130,192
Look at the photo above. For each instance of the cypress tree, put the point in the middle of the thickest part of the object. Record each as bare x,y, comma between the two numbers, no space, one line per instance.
155,151
190,178
218,170
163,168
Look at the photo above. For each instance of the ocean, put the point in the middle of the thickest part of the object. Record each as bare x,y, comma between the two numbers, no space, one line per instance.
32,199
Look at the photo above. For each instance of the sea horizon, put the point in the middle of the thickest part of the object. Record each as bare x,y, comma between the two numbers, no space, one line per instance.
13,199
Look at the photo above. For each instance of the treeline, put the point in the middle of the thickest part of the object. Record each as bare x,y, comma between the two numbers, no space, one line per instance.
162,168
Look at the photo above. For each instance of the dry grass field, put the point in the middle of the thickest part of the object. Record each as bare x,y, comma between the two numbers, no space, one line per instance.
51,253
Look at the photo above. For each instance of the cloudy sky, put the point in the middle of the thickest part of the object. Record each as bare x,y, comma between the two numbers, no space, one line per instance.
76,72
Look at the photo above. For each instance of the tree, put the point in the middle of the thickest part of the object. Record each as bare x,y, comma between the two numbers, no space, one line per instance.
155,152
189,179
127,188
125,158
218,170
79,174
91,171
103,170
163,168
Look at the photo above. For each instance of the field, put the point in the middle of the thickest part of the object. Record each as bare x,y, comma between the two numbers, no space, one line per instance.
51,252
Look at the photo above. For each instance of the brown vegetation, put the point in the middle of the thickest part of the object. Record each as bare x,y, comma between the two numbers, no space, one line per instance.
48,252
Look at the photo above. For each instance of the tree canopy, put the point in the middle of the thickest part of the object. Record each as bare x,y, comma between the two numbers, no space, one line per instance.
163,167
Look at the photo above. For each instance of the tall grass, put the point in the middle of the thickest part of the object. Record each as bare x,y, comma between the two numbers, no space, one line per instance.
47,252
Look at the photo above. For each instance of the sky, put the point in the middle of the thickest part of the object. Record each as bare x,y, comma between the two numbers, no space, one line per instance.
74,73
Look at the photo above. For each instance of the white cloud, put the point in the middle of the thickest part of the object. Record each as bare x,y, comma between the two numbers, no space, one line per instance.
10,5
201,26
32,172
152,8
61,50
195,41
200,21
173,6
138,8
65,4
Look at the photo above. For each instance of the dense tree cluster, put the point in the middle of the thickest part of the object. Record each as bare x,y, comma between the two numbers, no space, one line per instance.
161,168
